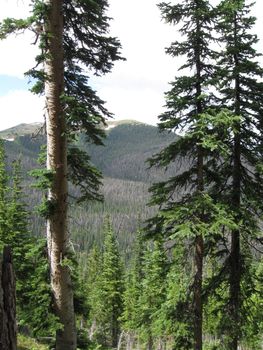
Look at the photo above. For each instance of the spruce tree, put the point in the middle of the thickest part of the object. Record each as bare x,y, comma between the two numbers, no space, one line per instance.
14,217
175,311
93,290
19,237
105,285
187,211
71,37
29,256
35,296
3,197
112,286
240,91
132,293
152,294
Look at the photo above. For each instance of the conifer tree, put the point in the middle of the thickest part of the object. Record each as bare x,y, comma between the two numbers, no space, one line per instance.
152,293
35,297
174,312
30,261
71,36
111,288
105,286
14,217
187,211
240,91
93,290
132,293
19,236
3,196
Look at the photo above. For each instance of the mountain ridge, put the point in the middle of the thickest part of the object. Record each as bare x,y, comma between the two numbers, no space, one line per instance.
23,129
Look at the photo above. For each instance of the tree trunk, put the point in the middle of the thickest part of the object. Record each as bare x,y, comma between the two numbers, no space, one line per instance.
120,340
150,341
235,270
129,341
114,330
57,231
199,242
8,329
198,305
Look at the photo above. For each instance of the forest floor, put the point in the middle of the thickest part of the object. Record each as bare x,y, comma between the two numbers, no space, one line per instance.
26,343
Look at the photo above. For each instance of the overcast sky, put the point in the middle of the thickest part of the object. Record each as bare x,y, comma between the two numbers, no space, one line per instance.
134,89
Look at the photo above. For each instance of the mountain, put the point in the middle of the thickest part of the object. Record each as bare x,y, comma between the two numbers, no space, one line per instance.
21,130
37,128
126,178
126,150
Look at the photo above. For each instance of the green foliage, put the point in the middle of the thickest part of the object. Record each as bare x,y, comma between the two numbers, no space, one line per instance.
3,196
105,289
27,343
153,289
11,25
91,275
29,255
176,309
239,88
37,313
219,117
84,175
131,315
44,177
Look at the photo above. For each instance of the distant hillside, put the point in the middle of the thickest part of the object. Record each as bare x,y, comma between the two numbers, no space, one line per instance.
122,161
127,147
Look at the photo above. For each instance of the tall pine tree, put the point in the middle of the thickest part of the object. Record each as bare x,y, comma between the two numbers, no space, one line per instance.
241,91
152,294
106,292
72,37
187,211
133,291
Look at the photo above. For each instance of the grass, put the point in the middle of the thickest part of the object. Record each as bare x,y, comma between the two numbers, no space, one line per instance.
26,343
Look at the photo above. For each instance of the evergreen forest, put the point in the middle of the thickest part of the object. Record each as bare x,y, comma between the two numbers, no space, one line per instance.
124,235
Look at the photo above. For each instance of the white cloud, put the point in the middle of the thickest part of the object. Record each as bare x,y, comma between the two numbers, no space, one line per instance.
142,104
17,52
14,8
135,88
17,56
20,107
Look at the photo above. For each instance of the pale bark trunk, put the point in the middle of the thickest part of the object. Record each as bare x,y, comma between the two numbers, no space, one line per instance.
57,231
129,341
92,330
120,340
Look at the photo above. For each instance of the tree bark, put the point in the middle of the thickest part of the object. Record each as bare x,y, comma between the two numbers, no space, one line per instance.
57,230
235,270
8,329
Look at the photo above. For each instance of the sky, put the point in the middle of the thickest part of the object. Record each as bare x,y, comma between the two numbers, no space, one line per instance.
135,88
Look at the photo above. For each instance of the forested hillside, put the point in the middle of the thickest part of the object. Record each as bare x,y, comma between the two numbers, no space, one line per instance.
127,177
